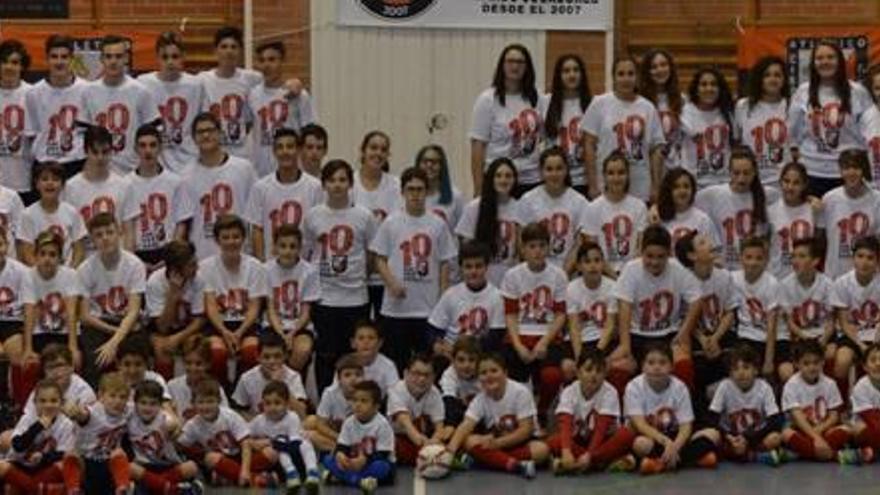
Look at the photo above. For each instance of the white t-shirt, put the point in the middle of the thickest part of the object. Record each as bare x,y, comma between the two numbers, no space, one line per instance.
763,128
108,287
666,410
381,202
102,433
449,212
64,221
234,290
846,220
503,415
463,311
744,411
616,227
249,390
48,297
59,437
593,306
822,134
862,302
272,204
223,435
291,288
13,282
190,304
286,429
333,406
568,137
368,439
78,392
692,219
732,214
537,296
93,197
337,240
151,442
671,124
226,97
11,211
719,295
815,400
509,220
272,110
209,192
865,396
759,299
15,149
514,130
149,202
562,215
453,385
870,127
631,127
121,109
657,301
54,113
787,225
809,307
425,411
585,411
382,371
182,397
179,102
414,247
706,145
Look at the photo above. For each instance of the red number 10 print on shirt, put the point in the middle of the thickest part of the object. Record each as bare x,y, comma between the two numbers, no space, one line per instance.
335,246
174,113
656,310
154,211
618,236
772,136
536,306
51,310
866,315
416,253
736,227
290,212
559,225
114,302
11,126
630,134
474,322
826,126
272,116
101,204
851,229
215,203
287,299
524,133
230,111
61,126
788,235
710,148
116,120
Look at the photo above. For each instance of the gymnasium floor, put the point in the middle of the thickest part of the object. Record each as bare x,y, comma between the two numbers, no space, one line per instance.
792,479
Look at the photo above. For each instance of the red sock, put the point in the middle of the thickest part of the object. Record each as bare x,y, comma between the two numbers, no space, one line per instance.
550,381
164,366
155,482
405,451
173,476
802,445
19,479
619,378
869,437
249,355
119,470
219,356
228,469
836,438
493,458
616,446
50,475
684,370
72,473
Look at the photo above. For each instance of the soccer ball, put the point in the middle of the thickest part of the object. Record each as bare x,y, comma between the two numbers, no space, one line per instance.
433,462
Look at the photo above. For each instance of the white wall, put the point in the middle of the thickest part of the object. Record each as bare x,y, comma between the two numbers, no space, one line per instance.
396,79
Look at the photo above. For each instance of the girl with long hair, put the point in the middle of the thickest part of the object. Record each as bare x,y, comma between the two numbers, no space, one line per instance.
568,100
658,82
706,126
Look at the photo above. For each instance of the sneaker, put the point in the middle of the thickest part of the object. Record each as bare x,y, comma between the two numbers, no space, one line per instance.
556,467
327,477
369,485
527,469
650,466
786,455
770,458
264,480
313,483
462,462
850,457
625,464
293,484
196,487
708,461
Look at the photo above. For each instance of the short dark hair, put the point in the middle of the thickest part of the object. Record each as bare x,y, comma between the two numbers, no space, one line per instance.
535,232
59,41
495,357
205,117
169,38
658,347
148,389
135,345
814,247
283,132
585,248
103,219
276,387
474,249
54,352
868,242
330,168
656,235
229,221
372,388
148,129
421,357
288,230
744,353
314,130
592,356
272,45
411,174
228,32
207,388
10,47
113,39
197,343
808,347
49,167
46,384
96,136
753,242
370,324
349,362
178,254
271,340
467,344
49,238
856,158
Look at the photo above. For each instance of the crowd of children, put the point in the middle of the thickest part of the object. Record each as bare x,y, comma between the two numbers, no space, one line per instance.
251,315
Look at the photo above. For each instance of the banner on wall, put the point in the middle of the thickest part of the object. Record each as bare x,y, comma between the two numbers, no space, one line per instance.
571,15
860,45
87,50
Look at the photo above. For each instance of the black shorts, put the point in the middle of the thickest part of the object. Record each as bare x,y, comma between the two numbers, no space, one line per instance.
781,355
42,340
843,340
9,329
568,349
151,257
639,345
97,477
254,331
